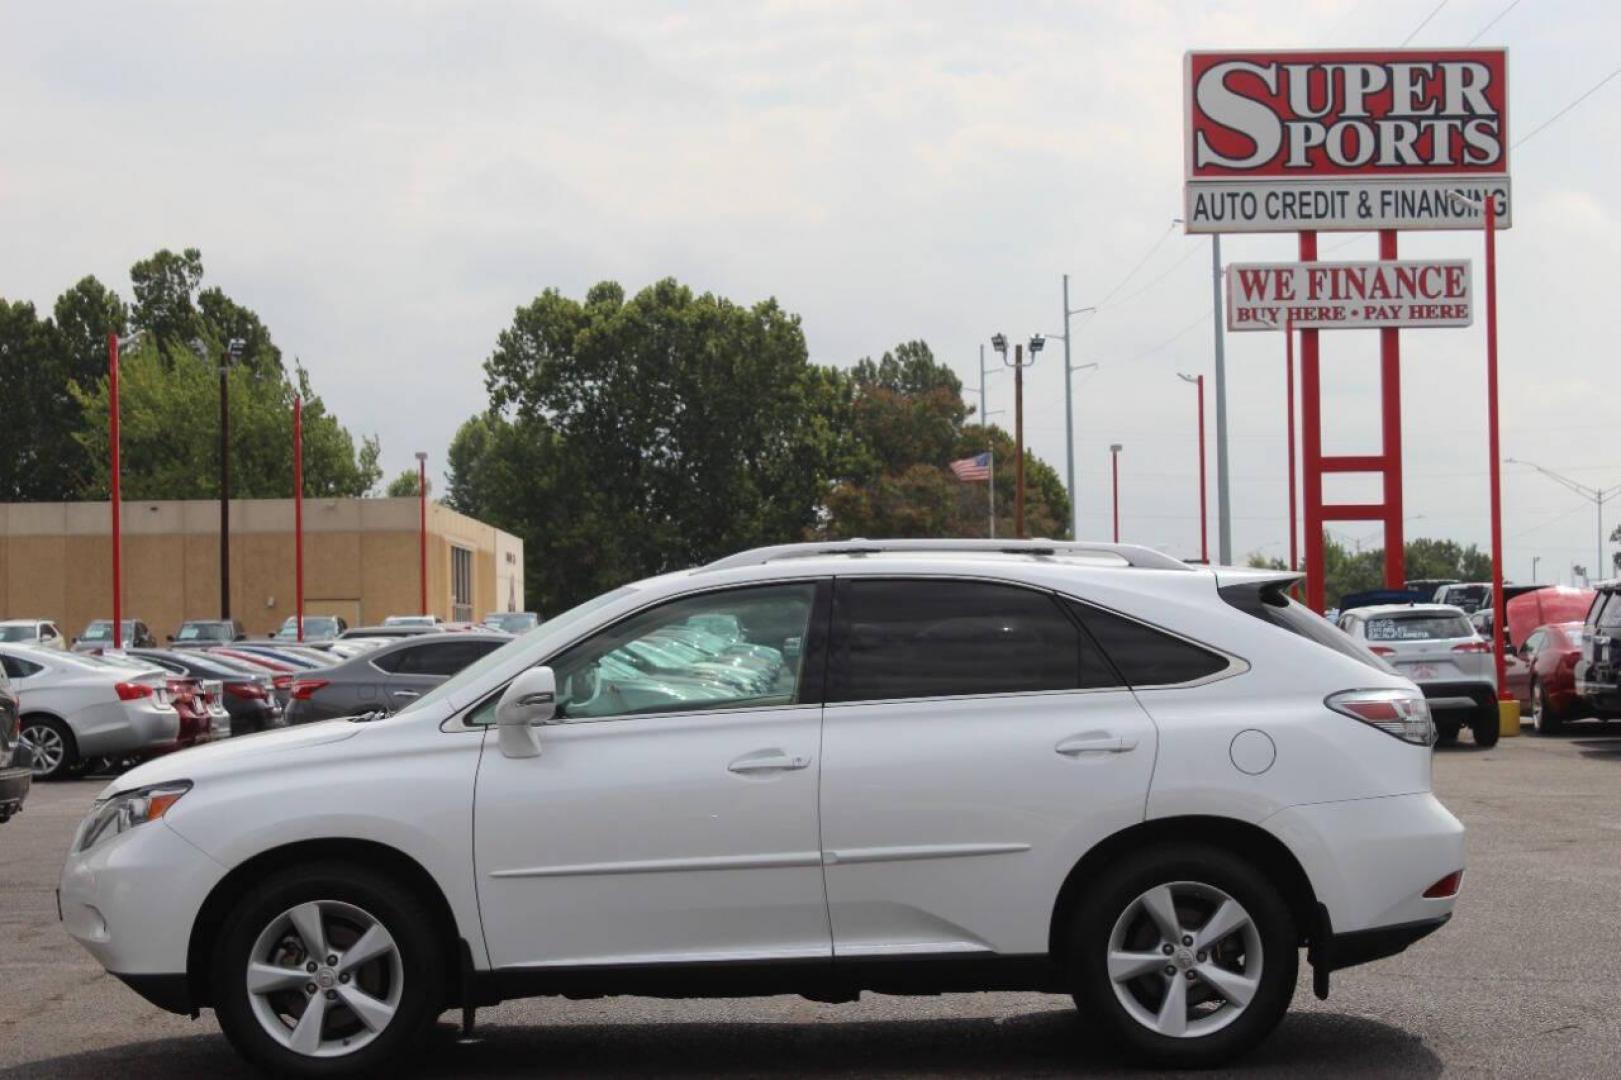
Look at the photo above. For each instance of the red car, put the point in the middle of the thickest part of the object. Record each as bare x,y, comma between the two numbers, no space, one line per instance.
1542,675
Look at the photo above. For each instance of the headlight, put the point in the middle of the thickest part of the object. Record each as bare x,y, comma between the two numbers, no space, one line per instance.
127,809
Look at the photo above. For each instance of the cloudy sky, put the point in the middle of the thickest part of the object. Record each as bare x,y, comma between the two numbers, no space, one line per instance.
385,182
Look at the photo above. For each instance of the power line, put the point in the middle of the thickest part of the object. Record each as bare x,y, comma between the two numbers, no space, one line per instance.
1424,22
1101,304
1589,93
1512,5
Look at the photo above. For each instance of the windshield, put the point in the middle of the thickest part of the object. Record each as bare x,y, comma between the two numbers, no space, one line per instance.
473,672
99,631
209,631
17,633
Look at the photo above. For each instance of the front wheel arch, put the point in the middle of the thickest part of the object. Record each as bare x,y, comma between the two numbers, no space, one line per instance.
1249,842
389,861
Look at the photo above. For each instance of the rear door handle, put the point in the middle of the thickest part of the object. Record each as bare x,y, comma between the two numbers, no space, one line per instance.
406,693
1094,742
768,761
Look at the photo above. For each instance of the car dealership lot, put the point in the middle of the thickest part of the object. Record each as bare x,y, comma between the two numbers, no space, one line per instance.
1518,984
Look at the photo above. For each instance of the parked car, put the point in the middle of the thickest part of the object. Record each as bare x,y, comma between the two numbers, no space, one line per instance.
386,678
280,671
1528,608
316,628
1427,587
16,757
1434,645
1598,671
247,696
40,633
98,636
390,630
1089,770
77,708
1471,596
512,622
298,656
1541,674
429,622
201,633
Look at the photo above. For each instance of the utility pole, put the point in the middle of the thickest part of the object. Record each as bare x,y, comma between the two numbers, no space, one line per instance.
1204,514
985,415
1069,414
422,526
1114,462
1018,440
1224,515
233,351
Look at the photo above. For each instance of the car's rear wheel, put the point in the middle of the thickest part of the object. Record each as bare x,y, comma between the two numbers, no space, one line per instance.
1187,955
56,754
1485,724
327,970
1446,730
1544,721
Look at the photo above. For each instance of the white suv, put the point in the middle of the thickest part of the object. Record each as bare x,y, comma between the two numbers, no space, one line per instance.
903,767
1437,647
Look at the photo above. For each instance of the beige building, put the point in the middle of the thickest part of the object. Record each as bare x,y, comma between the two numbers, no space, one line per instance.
360,561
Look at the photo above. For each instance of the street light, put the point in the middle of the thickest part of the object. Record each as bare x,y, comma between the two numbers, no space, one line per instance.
1069,410
422,523
1114,461
999,343
1204,529
1596,496
1224,516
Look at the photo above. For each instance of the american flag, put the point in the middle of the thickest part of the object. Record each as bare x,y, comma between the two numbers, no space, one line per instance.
973,468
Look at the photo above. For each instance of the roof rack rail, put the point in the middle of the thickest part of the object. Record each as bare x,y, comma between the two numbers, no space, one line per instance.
1134,555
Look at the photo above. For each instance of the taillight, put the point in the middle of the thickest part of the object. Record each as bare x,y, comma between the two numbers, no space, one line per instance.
1472,647
303,688
1447,886
1402,713
134,691
1381,650
281,682
249,691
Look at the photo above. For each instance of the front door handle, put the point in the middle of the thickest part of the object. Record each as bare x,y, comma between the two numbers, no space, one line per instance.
406,693
768,761
1095,742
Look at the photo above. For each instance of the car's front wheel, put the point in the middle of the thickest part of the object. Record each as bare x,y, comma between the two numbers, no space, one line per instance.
1187,955
327,970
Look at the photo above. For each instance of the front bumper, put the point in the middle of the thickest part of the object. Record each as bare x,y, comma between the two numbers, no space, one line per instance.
130,900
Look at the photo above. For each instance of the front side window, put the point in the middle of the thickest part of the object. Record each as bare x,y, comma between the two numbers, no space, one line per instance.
917,638
660,661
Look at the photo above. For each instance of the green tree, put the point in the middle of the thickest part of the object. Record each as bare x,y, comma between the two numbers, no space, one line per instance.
39,458
85,315
170,444
667,429
405,485
165,287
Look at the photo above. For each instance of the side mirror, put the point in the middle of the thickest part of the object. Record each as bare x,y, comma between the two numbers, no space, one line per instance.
168,637
529,699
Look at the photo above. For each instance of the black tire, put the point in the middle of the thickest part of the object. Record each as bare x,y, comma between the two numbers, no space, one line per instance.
1446,731
399,910
1485,725
1544,720
48,731
1114,895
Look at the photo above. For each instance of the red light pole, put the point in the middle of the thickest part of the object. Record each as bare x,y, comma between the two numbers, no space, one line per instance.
117,492
1114,461
1499,619
1204,516
422,529
298,515
1289,391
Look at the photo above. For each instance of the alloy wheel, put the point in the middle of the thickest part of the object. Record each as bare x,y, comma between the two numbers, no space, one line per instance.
1185,959
324,978
48,746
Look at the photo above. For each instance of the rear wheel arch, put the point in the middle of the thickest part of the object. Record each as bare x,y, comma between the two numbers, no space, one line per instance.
1246,841
370,854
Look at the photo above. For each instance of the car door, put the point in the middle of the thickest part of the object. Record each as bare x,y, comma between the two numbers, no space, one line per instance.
671,816
975,744
1517,665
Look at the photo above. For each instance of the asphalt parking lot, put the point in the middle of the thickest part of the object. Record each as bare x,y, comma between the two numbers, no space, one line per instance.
1520,983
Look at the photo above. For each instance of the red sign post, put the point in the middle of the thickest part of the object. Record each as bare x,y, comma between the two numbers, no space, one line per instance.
298,515
117,492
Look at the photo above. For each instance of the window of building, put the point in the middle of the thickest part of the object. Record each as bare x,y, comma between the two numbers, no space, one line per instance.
461,584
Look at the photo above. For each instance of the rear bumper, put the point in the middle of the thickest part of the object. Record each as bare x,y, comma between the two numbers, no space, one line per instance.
171,993
14,785
1364,946
1459,694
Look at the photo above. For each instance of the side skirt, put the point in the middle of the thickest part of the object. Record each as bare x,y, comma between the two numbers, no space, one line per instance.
818,979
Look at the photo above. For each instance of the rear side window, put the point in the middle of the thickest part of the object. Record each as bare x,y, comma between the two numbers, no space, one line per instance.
17,668
1610,617
941,638
1418,627
1146,656
438,658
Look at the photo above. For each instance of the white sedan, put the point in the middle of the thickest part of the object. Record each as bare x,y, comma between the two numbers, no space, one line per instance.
75,707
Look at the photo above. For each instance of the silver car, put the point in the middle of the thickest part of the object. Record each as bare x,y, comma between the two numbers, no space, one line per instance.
1437,647
81,707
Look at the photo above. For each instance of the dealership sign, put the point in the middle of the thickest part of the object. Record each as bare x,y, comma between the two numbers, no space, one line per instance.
1349,295
1345,140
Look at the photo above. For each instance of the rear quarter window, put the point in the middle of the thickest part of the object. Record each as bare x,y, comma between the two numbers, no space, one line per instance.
1143,655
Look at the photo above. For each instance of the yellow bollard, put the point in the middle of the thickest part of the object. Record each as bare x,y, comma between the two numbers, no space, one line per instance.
1508,718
